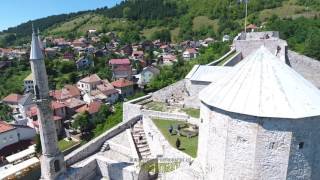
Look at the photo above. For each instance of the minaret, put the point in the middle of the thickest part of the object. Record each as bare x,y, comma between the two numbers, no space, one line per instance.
52,160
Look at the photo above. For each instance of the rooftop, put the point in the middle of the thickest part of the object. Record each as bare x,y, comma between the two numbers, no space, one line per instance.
122,83
12,98
4,127
119,61
208,73
91,79
264,86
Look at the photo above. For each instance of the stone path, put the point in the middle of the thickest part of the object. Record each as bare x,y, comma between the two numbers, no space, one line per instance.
139,137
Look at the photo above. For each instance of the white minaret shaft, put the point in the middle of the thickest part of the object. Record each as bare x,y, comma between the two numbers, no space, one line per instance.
52,161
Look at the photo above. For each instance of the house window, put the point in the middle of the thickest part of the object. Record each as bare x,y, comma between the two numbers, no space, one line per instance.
56,166
301,144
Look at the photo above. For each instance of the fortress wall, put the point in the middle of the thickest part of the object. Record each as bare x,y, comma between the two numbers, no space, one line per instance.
235,60
309,68
246,47
132,109
166,93
94,145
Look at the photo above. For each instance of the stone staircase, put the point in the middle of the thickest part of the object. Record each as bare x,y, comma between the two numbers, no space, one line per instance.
105,147
140,140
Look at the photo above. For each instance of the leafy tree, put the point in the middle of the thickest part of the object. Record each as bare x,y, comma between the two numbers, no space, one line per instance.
5,113
102,115
82,122
164,35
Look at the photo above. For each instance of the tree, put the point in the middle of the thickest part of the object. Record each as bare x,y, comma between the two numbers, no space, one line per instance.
178,143
164,35
102,115
5,113
82,122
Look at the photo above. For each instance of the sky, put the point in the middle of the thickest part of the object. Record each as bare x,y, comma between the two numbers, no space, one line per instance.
15,12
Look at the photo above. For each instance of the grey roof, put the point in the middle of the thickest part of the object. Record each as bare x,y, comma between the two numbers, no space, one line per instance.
262,85
206,73
36,51
26,99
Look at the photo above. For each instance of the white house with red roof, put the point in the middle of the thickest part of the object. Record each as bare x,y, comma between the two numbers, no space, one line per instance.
121,68
89,83
190,53
11,134
12,99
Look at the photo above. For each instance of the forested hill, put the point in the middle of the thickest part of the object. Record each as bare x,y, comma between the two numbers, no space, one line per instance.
135,20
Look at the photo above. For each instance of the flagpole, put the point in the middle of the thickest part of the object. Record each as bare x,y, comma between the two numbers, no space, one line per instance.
245,19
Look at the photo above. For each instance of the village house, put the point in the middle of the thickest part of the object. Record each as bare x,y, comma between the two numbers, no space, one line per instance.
146,75
12,137
67,92
68,55
12,100
121,68
89,83
126,50
91,108
84,63
28,83
251,28
165,48
190,53
167,59
104,92
124,86
226,38
59,115
137,55
50,52
72,105
24,105
81,42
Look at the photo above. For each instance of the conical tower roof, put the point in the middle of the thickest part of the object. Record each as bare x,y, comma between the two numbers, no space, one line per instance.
262,85
36,51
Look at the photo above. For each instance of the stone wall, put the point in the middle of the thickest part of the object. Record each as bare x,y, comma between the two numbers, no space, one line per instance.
94,145
167,92
236,146
309,68
170,116
132,108
234,60
194,87
247,47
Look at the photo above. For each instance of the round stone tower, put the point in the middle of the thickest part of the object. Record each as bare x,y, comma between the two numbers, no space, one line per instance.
262,121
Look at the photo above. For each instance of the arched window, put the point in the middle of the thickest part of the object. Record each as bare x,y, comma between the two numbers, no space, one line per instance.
56,166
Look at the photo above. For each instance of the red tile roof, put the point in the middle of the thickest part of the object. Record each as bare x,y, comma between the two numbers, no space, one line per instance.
57,105
69,91
91,108
91,79
192,50
4,127
119,61
122,83
12,98
251,26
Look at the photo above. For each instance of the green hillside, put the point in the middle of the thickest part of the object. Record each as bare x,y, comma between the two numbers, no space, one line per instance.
184,19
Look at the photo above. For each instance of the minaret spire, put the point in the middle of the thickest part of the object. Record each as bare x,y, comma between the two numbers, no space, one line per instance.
52,161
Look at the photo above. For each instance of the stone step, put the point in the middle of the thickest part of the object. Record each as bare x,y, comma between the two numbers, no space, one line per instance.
145,149
141,145
143,141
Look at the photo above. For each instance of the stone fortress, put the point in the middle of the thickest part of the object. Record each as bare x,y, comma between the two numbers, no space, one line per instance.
259,116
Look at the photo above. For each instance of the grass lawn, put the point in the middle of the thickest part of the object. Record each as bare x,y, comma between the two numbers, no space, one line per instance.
156,106
63,144
188,146
192,112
